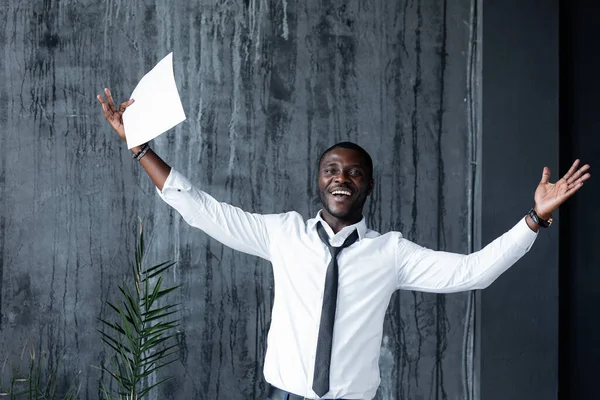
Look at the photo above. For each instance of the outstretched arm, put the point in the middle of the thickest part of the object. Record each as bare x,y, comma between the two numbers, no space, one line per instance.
422,269
229,225
157,169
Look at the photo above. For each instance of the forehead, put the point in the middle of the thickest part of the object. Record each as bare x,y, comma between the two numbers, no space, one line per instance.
344,156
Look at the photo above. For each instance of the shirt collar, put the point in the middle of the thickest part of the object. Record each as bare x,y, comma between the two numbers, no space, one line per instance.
360,226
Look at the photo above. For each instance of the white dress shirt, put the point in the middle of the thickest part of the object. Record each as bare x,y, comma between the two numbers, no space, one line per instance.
369,272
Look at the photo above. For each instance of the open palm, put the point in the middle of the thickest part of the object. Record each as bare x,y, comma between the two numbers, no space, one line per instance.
549,196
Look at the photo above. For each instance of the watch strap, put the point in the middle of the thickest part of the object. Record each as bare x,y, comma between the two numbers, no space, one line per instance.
539,221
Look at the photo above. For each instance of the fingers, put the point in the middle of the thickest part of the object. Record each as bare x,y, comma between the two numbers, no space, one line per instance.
102,103
575,186
111,102
108,106
571,170
576,176
545,175
579,181
125,104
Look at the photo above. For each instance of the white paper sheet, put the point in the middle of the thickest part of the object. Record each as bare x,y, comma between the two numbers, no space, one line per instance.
157,107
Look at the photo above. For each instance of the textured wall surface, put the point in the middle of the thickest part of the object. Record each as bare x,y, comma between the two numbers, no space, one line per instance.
266,86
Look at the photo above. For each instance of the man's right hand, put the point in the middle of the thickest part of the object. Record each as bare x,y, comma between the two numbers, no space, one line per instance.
113,115
156,168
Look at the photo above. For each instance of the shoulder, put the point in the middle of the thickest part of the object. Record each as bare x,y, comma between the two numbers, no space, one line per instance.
393,241
284,220
391,235
389,241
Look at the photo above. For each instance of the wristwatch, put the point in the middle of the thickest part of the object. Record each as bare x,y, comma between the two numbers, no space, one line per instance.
536,218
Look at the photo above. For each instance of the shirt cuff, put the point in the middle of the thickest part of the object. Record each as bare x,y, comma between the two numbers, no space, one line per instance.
174,183
523,234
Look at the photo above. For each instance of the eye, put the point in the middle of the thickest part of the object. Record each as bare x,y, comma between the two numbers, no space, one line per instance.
330,170
355,172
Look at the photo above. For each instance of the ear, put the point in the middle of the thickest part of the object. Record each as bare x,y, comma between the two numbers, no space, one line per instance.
371,184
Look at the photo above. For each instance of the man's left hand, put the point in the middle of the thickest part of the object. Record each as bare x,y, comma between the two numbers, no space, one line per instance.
548,196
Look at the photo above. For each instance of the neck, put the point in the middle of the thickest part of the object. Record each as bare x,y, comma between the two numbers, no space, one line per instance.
337,224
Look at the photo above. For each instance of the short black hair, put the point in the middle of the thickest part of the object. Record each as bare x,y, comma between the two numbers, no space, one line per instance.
351,146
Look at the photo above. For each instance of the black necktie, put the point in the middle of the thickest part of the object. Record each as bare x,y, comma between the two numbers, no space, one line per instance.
323,357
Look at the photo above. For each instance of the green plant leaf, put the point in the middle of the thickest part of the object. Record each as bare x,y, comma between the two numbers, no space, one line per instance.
131,300
140,337
167,291
152,314
153,342
157,357
115,308
118,347
157,270
116,327
159,316
158,329
155,292
156,368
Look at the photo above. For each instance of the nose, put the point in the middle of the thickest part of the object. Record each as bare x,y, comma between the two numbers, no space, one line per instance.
342,176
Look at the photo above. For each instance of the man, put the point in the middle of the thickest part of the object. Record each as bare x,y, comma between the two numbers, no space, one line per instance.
333,275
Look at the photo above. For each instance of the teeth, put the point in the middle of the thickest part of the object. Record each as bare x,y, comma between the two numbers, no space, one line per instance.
344,192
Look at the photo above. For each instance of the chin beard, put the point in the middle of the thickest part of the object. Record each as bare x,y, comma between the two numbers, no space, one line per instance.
355,210
339,215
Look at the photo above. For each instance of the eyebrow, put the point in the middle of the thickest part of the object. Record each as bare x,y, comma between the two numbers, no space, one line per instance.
350,166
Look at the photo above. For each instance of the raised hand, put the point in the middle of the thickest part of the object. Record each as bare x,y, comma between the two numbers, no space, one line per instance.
548,196
113,115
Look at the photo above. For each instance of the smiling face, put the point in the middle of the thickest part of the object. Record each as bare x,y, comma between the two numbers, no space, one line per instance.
345,182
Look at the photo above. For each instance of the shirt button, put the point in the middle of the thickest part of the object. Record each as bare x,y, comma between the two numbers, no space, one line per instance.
179,190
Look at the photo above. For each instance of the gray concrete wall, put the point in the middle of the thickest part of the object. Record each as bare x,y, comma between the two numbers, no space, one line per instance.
266,86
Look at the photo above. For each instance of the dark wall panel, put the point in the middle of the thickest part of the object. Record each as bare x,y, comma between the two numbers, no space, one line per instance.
519,312
266,86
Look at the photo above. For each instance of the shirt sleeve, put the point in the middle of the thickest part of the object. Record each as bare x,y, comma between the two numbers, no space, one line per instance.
235,228
425,270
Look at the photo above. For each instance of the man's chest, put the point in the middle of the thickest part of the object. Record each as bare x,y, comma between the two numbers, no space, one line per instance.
365,267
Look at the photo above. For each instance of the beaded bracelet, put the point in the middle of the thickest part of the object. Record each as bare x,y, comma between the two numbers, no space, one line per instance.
142,151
